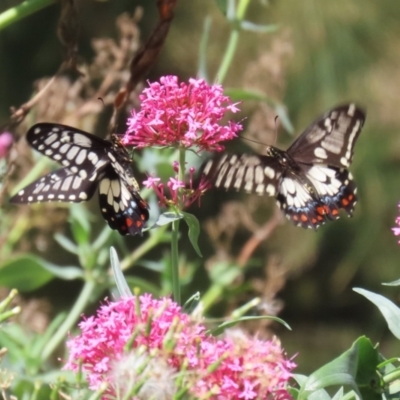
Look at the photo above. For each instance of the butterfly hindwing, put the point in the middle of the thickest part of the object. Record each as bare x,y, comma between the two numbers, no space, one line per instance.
312,198
60,185
310,180
88,162
121,205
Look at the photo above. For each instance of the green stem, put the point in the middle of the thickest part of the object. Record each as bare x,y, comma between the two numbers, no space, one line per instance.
71,320
181,174
232,43
24,9
176,289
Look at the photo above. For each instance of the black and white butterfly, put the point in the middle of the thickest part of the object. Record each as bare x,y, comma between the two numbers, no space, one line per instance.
310,180
89,162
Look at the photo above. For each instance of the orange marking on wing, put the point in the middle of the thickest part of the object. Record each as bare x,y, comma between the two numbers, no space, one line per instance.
350,197
303,217
320,210
335,211
128,222
295,218
345,202
320,218
139,224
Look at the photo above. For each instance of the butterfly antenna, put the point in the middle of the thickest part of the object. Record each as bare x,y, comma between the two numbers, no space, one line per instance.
252,140
263,144
276,128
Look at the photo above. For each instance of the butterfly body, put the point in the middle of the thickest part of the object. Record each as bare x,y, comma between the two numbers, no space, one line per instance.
89,162
310,180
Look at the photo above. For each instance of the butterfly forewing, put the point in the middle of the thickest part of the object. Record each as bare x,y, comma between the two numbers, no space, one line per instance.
88,162
248,172
310,180
330,139
71,147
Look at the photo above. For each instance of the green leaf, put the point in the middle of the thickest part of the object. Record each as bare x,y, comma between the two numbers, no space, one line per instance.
224,273
120,281
355,368
65,243
25,273
29,272
165,219
194,230
389,310
394,283
227,324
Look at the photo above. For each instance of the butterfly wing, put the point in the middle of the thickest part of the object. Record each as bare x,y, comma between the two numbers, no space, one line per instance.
60,185
330,139
316,195
248,172
74,149
121,204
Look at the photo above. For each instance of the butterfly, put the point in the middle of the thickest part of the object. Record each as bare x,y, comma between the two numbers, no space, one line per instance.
89,162
309,180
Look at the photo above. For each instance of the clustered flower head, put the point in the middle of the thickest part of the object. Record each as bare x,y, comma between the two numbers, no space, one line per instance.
184,115
147,348
171,197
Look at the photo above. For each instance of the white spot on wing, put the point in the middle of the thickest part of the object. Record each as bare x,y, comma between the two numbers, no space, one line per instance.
81,157
351,110
72,152
269,172
320,153
82,140
93,157
317,173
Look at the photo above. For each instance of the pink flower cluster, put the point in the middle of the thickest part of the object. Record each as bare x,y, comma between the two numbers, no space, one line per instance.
162,350
188,194
181,115
6,140
396,229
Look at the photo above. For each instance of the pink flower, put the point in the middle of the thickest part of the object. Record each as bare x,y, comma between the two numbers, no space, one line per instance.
6,140
396,230
181,115
148,348
188,194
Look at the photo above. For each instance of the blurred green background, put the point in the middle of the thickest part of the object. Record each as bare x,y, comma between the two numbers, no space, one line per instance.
323,54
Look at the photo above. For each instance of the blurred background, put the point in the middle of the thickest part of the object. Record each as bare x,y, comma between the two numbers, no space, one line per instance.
321,54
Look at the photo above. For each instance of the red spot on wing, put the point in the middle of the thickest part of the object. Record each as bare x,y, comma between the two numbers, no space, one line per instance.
129,222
